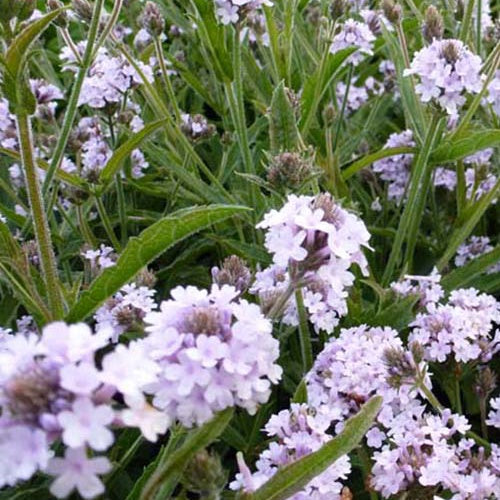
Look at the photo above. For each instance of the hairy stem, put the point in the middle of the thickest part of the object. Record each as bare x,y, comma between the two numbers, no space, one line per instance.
40,223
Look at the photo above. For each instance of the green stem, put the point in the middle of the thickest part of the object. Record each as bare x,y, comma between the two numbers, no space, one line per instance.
107,223
304,334
40,222
122,209
84,227
342,109
461,188
464,30
411,217
113,18
70,112
366,466
166,78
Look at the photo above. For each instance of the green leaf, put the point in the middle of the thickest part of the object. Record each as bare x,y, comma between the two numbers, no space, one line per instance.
17,53
300,395
121,154
397,315
174,463
455,150
366,161
283,131
462,276
293,477
318,83
472,216
141,250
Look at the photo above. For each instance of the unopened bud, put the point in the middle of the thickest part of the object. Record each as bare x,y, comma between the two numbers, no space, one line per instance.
83,9
392,11
152,20
146,278
329,114
289,170
62,19
337,9
486,383
204,475
234,272
433,26
400,366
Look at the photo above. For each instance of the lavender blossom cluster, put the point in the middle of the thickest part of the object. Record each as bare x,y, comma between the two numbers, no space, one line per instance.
314,242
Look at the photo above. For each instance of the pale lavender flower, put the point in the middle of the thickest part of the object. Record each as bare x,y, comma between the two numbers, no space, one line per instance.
447,71
395,170
494,414
317,241
109,78
125,309
196,127
8,132
358,95
462,328
354,34
101,258
493,96
214,352
77,471
299,432
233,11
351,369
421,451
426,287
474,248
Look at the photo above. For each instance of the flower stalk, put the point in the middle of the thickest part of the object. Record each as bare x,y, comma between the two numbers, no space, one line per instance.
40,222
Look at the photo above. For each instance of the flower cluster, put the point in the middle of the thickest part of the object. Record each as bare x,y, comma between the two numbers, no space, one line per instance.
234,11
313,241
299,431
125,310
108,79
101,258
214,352
52,388
447,70
474,248
395,170
463,327
427,288
196,127
354,34
358,94
493,96
351,369
421,456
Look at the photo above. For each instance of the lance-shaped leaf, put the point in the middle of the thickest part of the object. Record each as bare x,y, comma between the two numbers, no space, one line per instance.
293,477
171,468
465,146
283,130
17,52
121,154
462,276
141,250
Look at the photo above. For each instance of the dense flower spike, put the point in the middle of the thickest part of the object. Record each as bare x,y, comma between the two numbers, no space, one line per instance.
234,11
351,369
447,70
473,248
314,241
357,35
298,432
214,352
464,327
109,78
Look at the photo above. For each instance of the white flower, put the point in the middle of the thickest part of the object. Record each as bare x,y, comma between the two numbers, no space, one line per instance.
87,423
76,471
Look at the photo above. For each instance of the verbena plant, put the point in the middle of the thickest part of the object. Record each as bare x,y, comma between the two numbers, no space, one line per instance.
249,249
